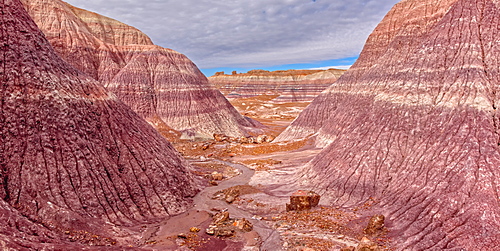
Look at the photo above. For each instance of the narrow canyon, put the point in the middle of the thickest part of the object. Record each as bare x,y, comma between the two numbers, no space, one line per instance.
110,142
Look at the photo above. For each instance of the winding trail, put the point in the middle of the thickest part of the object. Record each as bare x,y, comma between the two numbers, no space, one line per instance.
203,201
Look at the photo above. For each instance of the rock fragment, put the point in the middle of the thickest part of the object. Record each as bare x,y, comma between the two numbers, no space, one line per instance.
217,176
302,200
375,225
223,226
243,224
367,245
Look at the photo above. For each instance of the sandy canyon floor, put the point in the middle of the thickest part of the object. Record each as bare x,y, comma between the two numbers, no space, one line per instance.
241,207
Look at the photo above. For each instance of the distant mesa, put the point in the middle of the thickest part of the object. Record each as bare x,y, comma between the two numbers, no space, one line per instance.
161,85
77,165
413,127
288,86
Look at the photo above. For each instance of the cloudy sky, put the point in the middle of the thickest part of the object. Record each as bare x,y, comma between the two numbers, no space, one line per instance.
252,34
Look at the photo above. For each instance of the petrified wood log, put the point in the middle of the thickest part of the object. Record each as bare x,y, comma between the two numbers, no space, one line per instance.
302,200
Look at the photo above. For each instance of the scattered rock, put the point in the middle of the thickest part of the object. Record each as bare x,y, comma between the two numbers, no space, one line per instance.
211,229
229,194
256,217
367,245
304,249
303,200
182,236
224,232
350,248
213,183
270,138
194,230
217,176
230,198
243,224
260,139
220,137
244,140
220,218
375,225
206,146
223,226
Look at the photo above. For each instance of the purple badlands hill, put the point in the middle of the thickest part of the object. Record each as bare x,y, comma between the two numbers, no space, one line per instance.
414,126
159,84
75,161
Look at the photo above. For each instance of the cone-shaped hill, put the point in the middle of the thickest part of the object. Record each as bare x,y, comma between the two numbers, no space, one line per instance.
73,157
160,84
413,127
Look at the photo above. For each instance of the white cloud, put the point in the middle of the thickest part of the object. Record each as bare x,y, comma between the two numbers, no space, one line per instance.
242,33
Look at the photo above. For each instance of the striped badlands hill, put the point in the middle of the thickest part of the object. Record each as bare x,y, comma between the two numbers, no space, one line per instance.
76,163
289,86
414,127
157,83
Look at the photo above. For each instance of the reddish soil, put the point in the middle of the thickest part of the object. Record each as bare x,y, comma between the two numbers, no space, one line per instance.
322,228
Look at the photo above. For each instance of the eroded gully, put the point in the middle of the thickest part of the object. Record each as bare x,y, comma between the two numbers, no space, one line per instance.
203,201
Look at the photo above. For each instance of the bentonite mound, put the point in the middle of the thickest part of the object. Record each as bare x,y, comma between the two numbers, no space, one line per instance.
394,38
288,86
155,82
74,159
413,127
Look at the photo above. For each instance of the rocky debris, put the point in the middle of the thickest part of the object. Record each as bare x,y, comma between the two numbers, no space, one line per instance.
261,164
220,218
229,195
243,224
350,248
302,200
223,226
220,231
194,229
260,139
217,176
321,228
73,157
232,194
286,86
206,145
375,225
414,123
367,245
220,137
124,59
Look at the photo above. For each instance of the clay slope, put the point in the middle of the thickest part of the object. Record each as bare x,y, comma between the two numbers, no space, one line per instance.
289,86
413,127
157,83
74,159
397,35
